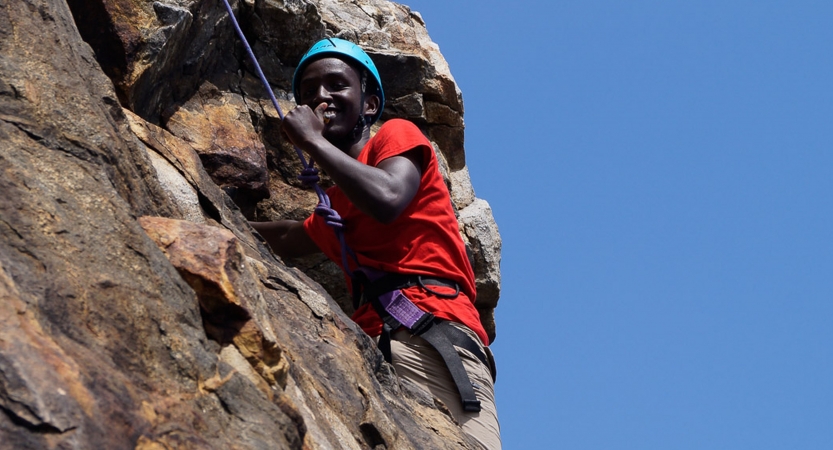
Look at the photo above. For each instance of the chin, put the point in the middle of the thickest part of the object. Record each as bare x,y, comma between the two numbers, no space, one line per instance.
337,135
333,132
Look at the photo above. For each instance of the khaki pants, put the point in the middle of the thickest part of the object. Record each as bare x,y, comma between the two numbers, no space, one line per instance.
416,360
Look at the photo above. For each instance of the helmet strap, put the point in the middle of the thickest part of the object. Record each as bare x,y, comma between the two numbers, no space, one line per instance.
358,130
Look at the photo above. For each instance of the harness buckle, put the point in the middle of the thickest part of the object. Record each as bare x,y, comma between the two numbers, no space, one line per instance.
471,405
422,324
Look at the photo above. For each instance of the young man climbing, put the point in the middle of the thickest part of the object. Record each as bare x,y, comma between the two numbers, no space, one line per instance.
412,281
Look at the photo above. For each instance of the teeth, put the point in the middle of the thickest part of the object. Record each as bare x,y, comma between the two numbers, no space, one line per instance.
328,116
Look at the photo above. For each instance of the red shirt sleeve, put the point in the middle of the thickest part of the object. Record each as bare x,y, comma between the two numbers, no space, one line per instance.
398,136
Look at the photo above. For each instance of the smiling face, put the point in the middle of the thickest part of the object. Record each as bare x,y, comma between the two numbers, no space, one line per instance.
333,81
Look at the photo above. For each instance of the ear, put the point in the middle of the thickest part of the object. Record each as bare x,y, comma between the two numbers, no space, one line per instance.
371,105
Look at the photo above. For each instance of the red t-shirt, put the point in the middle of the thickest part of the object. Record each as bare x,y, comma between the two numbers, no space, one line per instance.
423,240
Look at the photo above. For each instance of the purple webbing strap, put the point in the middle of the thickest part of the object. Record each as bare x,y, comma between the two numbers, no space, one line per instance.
394,302
309,175
401,308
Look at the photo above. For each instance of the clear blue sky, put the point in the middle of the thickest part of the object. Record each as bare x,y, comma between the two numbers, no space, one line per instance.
662,176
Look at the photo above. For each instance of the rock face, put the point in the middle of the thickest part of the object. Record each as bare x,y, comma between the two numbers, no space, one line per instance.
137,307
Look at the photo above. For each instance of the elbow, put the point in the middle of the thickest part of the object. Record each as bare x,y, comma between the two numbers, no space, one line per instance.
385,212
385,205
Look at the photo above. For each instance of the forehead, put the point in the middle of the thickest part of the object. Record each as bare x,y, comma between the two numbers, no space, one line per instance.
328,66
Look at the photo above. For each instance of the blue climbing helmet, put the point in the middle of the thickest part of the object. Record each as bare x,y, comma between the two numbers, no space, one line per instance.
340,48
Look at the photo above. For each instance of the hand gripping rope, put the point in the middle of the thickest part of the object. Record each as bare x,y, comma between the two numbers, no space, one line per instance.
309,175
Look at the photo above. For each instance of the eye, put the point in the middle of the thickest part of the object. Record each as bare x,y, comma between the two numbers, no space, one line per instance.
307,92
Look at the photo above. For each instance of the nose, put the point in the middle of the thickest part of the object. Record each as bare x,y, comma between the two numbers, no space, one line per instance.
322,95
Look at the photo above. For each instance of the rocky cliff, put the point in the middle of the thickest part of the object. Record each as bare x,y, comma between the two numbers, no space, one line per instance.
137,307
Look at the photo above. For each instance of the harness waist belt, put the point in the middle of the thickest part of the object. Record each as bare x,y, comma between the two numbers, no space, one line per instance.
365,289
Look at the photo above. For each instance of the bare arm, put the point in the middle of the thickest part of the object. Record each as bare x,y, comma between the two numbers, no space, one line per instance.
287,238
381,192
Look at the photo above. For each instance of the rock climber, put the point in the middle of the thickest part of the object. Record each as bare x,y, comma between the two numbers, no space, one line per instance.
401,227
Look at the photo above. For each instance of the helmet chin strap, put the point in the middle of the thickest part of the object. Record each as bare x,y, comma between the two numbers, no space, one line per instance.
359,128
364,120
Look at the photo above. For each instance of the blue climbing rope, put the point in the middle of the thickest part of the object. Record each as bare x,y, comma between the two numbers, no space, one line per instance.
309,174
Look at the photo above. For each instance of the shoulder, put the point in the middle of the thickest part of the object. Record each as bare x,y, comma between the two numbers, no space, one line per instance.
399,125
401,130
397,136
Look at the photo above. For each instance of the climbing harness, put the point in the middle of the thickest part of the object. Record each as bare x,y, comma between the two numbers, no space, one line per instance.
382,290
